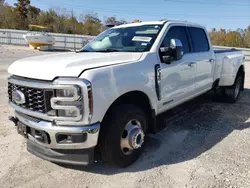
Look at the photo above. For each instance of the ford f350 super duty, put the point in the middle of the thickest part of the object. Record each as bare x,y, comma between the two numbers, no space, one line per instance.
106,97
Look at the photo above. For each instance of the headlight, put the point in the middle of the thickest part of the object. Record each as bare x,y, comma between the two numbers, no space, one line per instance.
72,101
65,93
68,92
68,102
75,108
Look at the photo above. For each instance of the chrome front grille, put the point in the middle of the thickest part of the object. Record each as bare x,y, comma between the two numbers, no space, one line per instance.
46,101
36,99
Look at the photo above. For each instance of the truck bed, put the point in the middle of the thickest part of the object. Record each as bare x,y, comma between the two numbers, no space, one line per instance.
227,64
218,50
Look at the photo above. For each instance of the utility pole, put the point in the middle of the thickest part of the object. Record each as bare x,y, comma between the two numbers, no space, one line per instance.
72,18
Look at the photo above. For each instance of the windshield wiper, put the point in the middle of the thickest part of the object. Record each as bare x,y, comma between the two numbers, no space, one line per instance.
104,50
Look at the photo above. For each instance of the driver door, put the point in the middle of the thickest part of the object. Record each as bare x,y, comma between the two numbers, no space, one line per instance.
178,77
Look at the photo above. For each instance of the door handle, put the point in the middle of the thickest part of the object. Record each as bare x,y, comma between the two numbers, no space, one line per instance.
191,64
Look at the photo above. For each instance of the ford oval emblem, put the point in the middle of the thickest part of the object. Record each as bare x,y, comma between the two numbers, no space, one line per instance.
18,97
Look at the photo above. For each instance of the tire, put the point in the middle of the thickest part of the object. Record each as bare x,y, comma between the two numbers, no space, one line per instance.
113,134
232,93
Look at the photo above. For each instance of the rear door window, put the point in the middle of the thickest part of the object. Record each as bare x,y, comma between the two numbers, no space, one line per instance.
199,39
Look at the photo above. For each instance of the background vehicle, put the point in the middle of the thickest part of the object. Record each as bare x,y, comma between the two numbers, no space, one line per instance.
38,39
107,96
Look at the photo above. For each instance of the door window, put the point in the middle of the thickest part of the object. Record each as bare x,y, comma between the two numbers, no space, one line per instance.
199,39
177,32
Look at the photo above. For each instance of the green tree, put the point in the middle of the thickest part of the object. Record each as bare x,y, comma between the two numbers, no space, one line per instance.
72,25
33,14
91,24
218,37
113,21
247,37
8,17
234,39
110,20
21,7
49,19
238,38
33,11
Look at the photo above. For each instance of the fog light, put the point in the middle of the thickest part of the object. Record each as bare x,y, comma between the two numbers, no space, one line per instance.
71,138
93,131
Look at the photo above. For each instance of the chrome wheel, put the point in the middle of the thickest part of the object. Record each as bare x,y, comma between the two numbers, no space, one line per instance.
132,137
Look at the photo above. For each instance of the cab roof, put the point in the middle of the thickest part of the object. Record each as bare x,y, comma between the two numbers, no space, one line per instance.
141,23
161,22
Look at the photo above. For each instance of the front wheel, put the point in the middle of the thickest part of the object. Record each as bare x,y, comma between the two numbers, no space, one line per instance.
122,135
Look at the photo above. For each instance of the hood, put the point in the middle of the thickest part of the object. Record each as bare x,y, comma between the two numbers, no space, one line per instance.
69,64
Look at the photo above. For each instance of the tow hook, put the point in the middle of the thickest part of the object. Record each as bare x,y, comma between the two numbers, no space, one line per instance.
13,119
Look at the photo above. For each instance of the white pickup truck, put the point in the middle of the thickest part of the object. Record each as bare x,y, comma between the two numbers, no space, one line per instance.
106,97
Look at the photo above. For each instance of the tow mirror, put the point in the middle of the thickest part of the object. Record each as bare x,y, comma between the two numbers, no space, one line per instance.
174,52
177,47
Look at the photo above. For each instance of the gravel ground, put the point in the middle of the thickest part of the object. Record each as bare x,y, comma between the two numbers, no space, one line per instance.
204,145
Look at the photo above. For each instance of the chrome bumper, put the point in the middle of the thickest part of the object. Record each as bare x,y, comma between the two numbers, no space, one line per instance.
52,129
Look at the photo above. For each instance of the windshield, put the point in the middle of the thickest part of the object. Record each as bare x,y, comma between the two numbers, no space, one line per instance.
127,39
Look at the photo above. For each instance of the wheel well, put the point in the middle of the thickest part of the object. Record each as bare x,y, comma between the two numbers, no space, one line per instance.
138,99
216,83
241,72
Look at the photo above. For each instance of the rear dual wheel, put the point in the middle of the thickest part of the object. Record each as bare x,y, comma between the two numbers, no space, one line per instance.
122,135
231,94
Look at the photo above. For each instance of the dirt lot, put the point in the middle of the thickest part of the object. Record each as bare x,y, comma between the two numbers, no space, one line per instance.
206,145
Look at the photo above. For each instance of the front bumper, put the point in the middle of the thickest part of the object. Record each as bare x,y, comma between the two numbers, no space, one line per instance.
80,153
64,156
